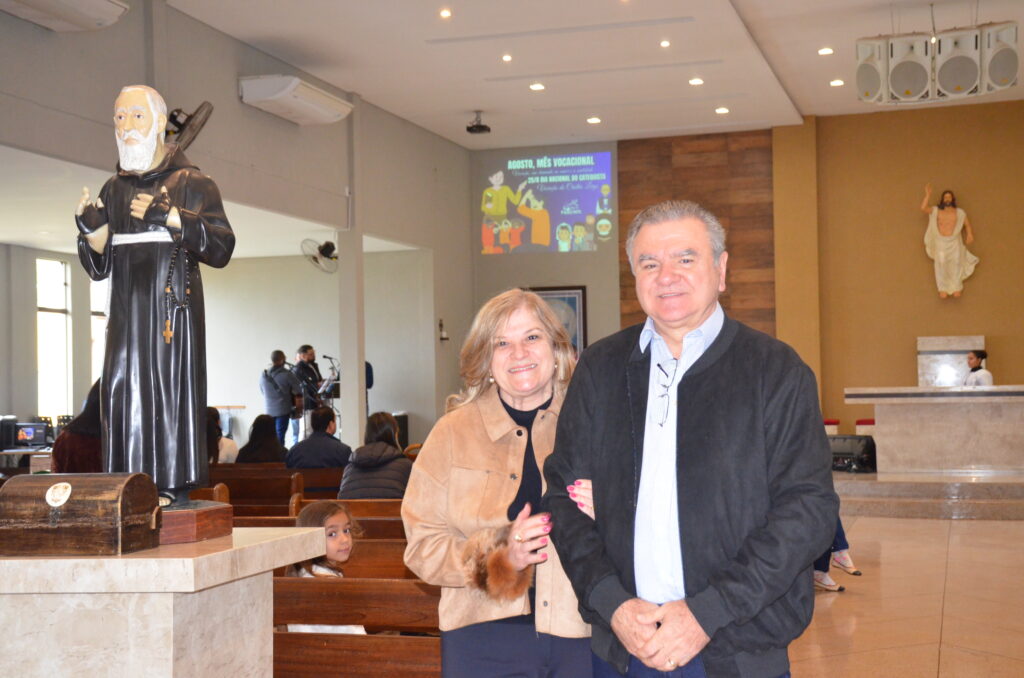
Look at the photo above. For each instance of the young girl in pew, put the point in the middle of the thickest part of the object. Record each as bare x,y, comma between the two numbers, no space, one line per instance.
340,529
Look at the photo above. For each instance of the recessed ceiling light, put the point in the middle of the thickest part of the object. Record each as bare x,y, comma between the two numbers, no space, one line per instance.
593,120
837,83
446,13
665,43
825,51
537,86
934,40
506,58
721,110
696,81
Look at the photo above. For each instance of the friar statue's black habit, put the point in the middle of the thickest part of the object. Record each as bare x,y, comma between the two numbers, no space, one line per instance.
153,388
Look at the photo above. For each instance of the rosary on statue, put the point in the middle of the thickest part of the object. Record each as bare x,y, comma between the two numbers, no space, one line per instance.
171,301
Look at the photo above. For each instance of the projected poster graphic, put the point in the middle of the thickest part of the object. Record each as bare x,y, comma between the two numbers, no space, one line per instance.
548,203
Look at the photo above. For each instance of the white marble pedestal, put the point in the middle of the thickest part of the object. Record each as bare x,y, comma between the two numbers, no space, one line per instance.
177,611
947,430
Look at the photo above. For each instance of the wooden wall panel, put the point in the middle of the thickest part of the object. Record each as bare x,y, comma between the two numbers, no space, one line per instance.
731,175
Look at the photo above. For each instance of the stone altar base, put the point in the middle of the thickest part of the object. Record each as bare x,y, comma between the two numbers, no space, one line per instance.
195,610
965,430
946,496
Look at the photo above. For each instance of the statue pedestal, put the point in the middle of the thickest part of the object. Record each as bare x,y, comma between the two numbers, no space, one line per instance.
195,521
182,610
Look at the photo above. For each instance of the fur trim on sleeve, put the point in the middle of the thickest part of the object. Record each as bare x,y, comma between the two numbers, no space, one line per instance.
487,567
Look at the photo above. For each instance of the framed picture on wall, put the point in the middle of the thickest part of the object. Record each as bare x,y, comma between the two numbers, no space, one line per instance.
570,305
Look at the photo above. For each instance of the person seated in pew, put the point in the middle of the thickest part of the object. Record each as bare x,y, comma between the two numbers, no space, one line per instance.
340,528
470,509
379,469
321,449
263,446
221,450
77,448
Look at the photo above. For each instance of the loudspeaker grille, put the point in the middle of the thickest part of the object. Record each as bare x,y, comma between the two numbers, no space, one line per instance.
909,80
869,82
959,75
1002,69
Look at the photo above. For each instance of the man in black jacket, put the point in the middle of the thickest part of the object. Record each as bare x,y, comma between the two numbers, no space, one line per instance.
321,449
308,374
711,473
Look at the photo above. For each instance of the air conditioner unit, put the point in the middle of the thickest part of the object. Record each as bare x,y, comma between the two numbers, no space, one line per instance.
873,69
958,63
293,99
910,68
1000,60
67,15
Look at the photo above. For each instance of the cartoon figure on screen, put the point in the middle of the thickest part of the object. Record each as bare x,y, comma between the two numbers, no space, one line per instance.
505,235
152,225
497,197
488,233
515,233
533,209
564,237
946,239
604,203
580,241
604,229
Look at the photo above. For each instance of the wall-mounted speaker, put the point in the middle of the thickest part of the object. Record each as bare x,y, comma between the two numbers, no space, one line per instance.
873,69
958,63
1000,59
910,67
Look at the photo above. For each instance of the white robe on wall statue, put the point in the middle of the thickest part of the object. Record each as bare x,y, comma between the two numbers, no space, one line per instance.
953,262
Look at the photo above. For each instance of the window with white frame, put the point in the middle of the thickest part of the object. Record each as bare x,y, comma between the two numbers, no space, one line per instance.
53,338
98,291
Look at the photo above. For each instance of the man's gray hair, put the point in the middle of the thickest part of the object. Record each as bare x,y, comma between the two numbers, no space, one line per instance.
157,105
675,210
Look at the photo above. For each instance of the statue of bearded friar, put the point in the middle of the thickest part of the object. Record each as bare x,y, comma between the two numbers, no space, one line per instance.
152,225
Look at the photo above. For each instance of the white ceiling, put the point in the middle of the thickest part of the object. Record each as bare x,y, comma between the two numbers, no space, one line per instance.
595,57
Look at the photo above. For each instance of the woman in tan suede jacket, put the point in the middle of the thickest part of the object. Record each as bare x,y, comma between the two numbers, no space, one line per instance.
471,506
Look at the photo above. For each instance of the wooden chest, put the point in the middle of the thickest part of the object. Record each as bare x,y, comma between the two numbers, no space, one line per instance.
87,514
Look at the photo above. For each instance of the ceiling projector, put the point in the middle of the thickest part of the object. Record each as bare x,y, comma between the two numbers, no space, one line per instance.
477,126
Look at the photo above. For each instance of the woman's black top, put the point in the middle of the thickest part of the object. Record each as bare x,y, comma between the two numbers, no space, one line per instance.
530,487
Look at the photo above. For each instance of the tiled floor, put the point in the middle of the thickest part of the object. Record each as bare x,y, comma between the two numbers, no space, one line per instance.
937,598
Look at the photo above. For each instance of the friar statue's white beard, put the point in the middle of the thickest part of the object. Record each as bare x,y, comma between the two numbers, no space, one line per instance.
136,157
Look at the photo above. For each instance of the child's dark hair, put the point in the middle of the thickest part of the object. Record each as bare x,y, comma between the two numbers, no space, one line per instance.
316,515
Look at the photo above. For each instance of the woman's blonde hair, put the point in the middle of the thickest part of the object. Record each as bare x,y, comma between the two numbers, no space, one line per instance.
316,515
478,349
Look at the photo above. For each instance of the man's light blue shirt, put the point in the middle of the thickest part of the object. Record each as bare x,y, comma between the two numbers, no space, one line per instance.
657,552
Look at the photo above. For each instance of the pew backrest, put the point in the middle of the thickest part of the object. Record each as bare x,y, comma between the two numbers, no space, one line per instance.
378,559
394,604
329,655
373,528
368,508
258,491
321,483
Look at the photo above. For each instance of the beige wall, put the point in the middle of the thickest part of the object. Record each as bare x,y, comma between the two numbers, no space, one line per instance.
877,285
795,189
